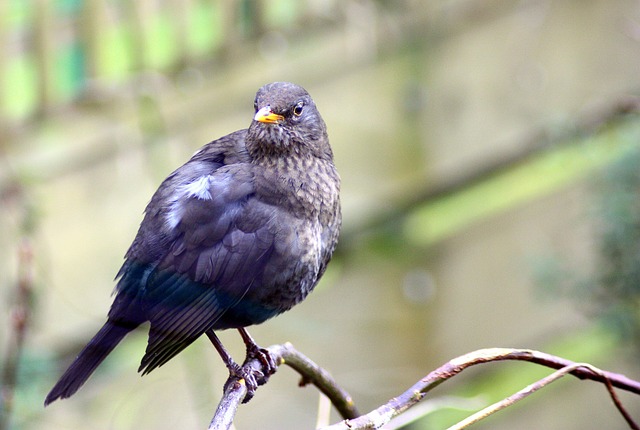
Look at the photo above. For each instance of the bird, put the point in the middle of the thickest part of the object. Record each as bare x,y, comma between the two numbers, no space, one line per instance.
240,233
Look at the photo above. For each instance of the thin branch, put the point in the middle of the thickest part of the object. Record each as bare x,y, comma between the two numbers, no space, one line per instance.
436,404
520,395
235,390
324,411
20,315
225,413
383,414
313,374
617,402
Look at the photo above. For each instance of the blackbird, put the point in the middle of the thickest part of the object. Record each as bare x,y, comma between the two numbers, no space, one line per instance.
239,234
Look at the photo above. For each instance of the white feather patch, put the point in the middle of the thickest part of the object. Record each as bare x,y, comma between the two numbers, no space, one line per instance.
199,188
174,216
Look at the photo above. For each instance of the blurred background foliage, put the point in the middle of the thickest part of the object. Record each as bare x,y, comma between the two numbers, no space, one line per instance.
491,172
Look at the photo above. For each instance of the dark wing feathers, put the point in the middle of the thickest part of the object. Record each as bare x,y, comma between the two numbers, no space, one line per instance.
209,267
178,320
183,309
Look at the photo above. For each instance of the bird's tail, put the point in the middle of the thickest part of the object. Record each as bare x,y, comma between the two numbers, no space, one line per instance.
88,360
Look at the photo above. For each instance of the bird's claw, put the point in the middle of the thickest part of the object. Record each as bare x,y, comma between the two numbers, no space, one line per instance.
252,376
269,365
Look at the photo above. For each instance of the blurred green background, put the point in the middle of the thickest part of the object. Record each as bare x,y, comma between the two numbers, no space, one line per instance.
491,171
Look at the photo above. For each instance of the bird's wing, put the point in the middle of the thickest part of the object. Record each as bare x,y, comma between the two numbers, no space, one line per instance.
222,239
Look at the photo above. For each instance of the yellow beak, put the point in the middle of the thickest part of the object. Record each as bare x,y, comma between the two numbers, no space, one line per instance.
266,115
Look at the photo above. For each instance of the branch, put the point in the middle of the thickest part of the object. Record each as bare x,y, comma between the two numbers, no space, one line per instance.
20,315
235,390
525,392
382,415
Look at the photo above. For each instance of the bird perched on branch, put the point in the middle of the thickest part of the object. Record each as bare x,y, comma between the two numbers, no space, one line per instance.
239,234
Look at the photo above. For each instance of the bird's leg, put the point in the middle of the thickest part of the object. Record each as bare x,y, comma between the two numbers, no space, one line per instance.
235,370
226,357
254,351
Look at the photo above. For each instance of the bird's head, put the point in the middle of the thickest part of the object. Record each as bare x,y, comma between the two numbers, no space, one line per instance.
286,120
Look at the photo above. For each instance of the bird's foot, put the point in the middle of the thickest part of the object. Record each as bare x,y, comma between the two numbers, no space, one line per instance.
258,365
254,374
269,365
252,378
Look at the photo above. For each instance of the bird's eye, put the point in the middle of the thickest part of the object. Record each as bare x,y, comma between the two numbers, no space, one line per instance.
297,110
255,105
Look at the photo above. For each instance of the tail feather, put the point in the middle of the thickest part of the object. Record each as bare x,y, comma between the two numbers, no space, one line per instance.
88,360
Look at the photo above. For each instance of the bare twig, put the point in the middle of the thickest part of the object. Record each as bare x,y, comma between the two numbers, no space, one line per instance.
235,390
233,395
20,314
435,404
382,415
525,392
616,401
324,411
